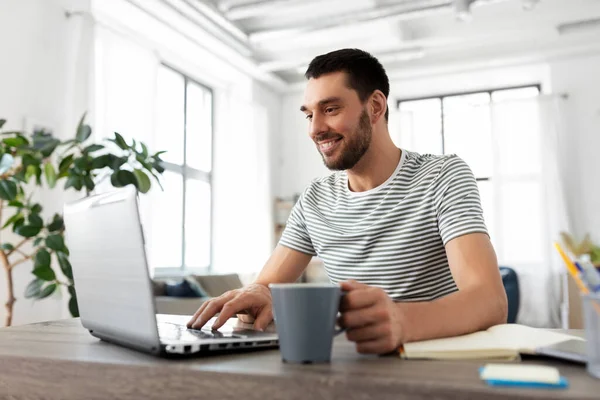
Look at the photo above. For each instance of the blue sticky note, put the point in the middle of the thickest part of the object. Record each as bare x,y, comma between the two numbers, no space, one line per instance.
562,384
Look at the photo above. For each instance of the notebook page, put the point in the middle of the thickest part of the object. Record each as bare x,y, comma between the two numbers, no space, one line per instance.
526,339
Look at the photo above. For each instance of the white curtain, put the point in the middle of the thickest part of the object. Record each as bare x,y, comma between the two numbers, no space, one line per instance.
529,201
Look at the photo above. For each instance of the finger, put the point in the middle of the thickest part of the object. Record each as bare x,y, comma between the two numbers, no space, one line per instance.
360,298
351,285
363,317
379,346
265,316
245,318
212,308
232,307
197,314
368,333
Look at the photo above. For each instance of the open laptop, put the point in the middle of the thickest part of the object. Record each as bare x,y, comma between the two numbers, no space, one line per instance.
114,290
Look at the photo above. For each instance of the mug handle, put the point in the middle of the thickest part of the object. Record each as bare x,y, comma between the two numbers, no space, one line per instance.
340,330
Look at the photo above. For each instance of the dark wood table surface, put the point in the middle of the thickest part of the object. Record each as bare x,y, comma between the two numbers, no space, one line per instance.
61,360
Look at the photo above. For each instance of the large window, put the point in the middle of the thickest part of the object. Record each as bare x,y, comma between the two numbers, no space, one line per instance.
180,235
465,124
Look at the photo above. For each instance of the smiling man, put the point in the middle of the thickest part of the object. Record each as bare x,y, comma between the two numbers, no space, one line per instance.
402,232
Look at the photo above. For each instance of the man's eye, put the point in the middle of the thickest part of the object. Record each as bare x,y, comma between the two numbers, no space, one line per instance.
309,117
330,109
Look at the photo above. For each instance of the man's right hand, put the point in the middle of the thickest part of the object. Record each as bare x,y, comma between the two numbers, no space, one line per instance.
254,299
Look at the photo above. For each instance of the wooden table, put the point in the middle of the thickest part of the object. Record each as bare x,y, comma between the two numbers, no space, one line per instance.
60,360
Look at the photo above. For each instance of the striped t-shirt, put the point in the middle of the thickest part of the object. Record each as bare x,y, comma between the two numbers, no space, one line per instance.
392,236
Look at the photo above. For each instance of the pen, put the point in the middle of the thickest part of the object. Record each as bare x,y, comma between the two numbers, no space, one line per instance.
572,269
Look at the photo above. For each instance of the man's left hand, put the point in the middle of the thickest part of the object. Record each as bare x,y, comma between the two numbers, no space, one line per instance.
371,318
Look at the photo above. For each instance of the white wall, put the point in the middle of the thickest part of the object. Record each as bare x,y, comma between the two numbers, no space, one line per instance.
579,78
36,42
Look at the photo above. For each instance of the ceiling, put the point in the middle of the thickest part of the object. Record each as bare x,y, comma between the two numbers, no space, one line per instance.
282,36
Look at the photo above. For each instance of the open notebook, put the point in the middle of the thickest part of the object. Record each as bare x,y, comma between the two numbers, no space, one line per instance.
505,341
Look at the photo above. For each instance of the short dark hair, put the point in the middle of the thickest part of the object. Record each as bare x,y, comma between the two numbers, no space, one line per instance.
365,72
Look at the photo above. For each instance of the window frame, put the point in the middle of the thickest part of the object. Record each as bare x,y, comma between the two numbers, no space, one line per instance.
187,172
441,97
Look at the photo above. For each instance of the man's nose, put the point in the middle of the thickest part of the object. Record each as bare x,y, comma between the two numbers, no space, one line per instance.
317,127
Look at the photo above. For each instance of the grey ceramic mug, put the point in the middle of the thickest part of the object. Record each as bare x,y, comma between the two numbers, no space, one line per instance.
305,316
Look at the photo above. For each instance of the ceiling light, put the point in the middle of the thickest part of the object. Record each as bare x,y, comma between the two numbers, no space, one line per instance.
462,8
529,4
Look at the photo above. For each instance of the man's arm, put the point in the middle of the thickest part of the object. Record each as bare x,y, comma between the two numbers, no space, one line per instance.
379,325
284,265
479,303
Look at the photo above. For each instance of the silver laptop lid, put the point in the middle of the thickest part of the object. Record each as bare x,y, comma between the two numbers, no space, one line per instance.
110,270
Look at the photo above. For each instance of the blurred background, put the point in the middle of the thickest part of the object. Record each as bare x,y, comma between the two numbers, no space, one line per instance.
512,86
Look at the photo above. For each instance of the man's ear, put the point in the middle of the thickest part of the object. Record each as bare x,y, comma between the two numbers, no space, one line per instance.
378,104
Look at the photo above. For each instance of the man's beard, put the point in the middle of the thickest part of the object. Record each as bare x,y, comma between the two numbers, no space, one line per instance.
355,146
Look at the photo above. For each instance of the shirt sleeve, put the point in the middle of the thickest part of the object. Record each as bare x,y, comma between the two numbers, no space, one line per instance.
457,201
295,235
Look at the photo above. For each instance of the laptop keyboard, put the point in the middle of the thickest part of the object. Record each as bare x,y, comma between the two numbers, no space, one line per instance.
170,331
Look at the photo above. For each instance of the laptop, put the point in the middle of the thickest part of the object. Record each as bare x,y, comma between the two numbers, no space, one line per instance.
114,290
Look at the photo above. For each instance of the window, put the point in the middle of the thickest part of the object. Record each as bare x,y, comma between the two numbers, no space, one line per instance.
181,215
464,124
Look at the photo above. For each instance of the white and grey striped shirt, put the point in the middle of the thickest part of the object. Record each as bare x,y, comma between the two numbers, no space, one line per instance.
392,236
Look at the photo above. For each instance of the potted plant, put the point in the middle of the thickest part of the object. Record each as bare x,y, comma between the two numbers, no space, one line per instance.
29,160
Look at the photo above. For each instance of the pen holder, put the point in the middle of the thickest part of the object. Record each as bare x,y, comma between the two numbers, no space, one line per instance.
591,321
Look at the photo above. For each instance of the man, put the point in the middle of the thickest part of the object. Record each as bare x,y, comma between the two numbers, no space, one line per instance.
403,233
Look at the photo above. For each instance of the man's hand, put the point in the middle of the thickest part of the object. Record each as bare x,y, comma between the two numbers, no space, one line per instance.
371,318
254,300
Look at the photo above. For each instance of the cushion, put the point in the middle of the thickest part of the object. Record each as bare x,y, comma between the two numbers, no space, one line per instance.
216,285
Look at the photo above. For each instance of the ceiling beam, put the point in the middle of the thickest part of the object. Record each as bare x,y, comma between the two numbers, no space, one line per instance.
239,10
404,11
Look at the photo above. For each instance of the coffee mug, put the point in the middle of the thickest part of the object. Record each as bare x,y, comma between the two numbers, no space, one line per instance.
305,316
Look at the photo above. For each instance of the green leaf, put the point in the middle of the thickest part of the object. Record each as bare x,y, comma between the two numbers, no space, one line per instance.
38,175
44,272
18,222
7,246
6,162
42,258
75,182
36,209
33,288
35,220
57,224
28,230
2,122
47,291
64,165
123,178
65,265
83,131
55,242
118,162
37,241
8,189
144,183
144,150
103,161
12,219
119,141
73,308
17,141
29,172
16,203
50,175
159,153
89,183
92,148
